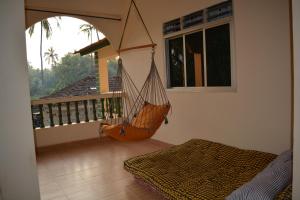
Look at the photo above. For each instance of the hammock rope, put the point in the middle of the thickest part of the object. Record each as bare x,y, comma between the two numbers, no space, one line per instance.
142,111
124,28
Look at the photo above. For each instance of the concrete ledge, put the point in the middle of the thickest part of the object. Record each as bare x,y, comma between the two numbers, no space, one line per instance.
65,134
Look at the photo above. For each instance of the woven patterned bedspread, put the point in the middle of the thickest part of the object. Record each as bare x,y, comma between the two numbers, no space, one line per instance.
198,169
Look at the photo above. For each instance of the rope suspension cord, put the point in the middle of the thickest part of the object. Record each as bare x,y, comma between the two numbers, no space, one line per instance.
132,3
143,21
152,91
143,111
127,16
127,83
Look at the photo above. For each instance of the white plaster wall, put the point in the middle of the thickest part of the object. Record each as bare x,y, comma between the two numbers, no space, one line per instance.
258,114
18,174
67,133
296,43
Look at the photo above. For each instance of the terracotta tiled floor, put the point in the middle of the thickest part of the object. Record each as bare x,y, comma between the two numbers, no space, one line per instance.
92,170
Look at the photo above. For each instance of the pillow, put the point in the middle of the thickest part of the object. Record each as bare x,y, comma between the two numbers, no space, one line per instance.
269,182
283,157
150,116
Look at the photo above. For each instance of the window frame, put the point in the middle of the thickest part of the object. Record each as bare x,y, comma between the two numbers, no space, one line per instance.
202,27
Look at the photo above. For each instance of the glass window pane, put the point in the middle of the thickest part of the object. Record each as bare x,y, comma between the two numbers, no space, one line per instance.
218,62
194,59
175,62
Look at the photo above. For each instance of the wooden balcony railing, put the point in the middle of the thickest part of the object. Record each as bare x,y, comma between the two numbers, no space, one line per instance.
77,109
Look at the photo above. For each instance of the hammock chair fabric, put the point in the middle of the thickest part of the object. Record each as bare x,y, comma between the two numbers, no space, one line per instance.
142,112
142,117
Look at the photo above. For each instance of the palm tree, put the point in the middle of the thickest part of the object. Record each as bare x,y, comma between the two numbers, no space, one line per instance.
51,56
88,29
45,26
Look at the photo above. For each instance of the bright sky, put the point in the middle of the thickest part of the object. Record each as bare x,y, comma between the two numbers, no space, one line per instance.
65,39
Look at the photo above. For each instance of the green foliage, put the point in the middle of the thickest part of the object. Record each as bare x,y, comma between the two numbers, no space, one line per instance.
112,65
35,81
70,69
45,26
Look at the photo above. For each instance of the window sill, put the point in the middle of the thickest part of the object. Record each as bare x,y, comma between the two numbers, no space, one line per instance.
202,89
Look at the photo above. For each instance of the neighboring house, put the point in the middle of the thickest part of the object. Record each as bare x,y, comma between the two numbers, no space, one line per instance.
85,86
103,54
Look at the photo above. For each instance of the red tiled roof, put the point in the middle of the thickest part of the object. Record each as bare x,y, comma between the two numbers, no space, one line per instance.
83,87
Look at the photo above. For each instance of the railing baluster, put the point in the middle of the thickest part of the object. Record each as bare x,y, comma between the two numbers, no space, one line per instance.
119,107
94,109
32,117
114,106
106,108
77,112
68,113
111,108
42,125
60,114
86,113
50,115
102,109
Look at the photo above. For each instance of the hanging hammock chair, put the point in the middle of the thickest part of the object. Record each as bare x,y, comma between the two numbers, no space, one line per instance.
142,112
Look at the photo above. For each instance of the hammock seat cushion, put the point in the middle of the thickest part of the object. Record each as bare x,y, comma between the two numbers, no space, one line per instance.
143,125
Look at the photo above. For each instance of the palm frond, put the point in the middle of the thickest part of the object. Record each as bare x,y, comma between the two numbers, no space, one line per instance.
51,56
87,29
58,21
47,27
31,30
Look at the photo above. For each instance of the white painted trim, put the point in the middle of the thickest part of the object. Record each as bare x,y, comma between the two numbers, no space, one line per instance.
204,57
184,61
195,28
296,129
74,98
203,27
202,89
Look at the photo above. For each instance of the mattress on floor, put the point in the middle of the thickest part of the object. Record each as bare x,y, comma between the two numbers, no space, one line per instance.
198,169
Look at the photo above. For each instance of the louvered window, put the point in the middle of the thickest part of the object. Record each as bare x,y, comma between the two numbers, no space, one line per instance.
172,26
193,19
219,11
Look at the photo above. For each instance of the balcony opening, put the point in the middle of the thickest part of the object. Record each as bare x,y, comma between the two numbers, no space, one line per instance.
72,70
